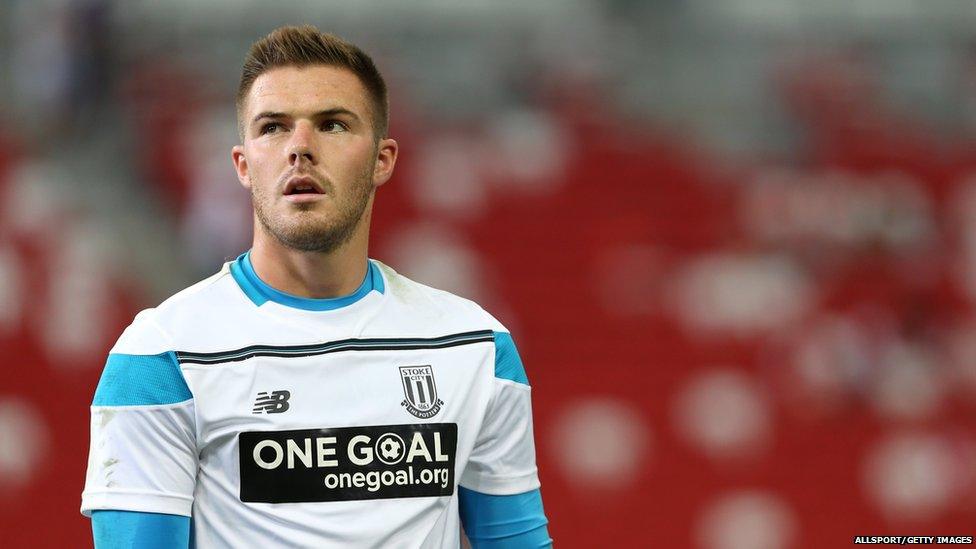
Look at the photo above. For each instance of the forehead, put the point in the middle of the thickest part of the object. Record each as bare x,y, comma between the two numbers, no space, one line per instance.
296,90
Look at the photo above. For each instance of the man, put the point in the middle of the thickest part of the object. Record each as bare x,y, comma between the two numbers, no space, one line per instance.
306,396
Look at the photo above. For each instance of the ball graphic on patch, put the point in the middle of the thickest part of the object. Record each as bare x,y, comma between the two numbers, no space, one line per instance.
390,448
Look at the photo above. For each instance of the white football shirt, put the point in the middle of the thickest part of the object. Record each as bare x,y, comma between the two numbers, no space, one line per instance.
274,420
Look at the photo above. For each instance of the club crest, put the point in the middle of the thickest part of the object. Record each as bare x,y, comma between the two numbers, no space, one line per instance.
420,391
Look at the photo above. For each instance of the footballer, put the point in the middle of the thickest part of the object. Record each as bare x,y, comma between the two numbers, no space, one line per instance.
307,395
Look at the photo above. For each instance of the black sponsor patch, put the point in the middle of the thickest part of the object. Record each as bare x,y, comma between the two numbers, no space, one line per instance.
348,463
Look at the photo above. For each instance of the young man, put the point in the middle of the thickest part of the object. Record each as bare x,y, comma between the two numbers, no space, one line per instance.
306,396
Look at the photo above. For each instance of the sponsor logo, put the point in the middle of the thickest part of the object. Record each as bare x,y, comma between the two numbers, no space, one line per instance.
275,402
420,391
348,463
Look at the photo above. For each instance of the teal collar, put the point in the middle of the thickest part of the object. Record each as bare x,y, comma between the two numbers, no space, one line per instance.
260,293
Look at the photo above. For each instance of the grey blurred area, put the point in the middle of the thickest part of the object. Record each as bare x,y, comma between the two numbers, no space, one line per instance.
87,82
82,79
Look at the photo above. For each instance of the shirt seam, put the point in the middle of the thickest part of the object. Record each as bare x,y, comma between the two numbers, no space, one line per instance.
142,406
123,491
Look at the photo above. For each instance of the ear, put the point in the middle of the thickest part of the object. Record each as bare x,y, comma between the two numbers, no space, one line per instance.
386,155
240,165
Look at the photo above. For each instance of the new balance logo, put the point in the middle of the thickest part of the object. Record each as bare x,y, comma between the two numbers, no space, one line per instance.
274,402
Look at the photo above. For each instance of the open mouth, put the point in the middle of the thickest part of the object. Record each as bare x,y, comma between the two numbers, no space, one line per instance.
305,189
302,185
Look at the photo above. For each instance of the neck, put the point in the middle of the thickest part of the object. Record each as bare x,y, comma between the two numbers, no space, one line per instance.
314,275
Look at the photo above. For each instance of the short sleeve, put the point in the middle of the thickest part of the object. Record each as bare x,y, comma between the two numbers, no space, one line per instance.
503,459
143,453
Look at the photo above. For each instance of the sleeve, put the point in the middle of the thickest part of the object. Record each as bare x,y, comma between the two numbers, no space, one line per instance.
503,459
143,453
126,529
504,522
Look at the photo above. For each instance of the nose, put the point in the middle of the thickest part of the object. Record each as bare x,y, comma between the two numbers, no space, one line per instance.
300,146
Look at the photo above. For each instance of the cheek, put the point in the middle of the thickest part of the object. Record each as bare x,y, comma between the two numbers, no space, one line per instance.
260,164
358,161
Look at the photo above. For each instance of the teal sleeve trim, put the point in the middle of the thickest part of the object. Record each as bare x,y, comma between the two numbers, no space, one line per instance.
508,363
139,380
259,292
503,522
128,529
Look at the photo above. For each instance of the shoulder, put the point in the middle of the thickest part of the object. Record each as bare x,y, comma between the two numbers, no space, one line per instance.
439,307
437,311
154,330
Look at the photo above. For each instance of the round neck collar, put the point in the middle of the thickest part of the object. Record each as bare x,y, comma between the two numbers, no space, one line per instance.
259,292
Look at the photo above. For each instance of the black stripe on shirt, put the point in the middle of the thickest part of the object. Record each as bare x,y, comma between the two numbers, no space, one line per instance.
375,344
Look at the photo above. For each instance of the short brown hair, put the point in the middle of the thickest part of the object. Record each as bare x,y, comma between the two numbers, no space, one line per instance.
304,46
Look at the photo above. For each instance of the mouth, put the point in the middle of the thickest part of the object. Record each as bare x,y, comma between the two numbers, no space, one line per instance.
302,188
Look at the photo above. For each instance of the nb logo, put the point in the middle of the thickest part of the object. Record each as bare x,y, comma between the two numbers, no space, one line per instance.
274,402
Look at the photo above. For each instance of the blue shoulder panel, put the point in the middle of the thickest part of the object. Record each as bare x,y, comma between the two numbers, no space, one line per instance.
127,529
508,363
138,380
503,522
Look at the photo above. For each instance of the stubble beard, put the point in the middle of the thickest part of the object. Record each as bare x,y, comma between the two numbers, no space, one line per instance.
308,230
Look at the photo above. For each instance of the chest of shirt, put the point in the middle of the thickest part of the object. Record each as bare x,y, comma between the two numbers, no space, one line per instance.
363,387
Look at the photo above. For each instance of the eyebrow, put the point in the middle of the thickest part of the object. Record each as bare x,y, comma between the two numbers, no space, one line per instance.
321,114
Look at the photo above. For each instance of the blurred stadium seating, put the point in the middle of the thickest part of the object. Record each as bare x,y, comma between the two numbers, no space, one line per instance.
735,242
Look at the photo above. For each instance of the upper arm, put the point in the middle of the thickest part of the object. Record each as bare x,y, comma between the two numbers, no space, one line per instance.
143,444
503,458
499,499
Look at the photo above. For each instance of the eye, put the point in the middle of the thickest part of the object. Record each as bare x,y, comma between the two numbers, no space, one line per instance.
333,126
270,127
